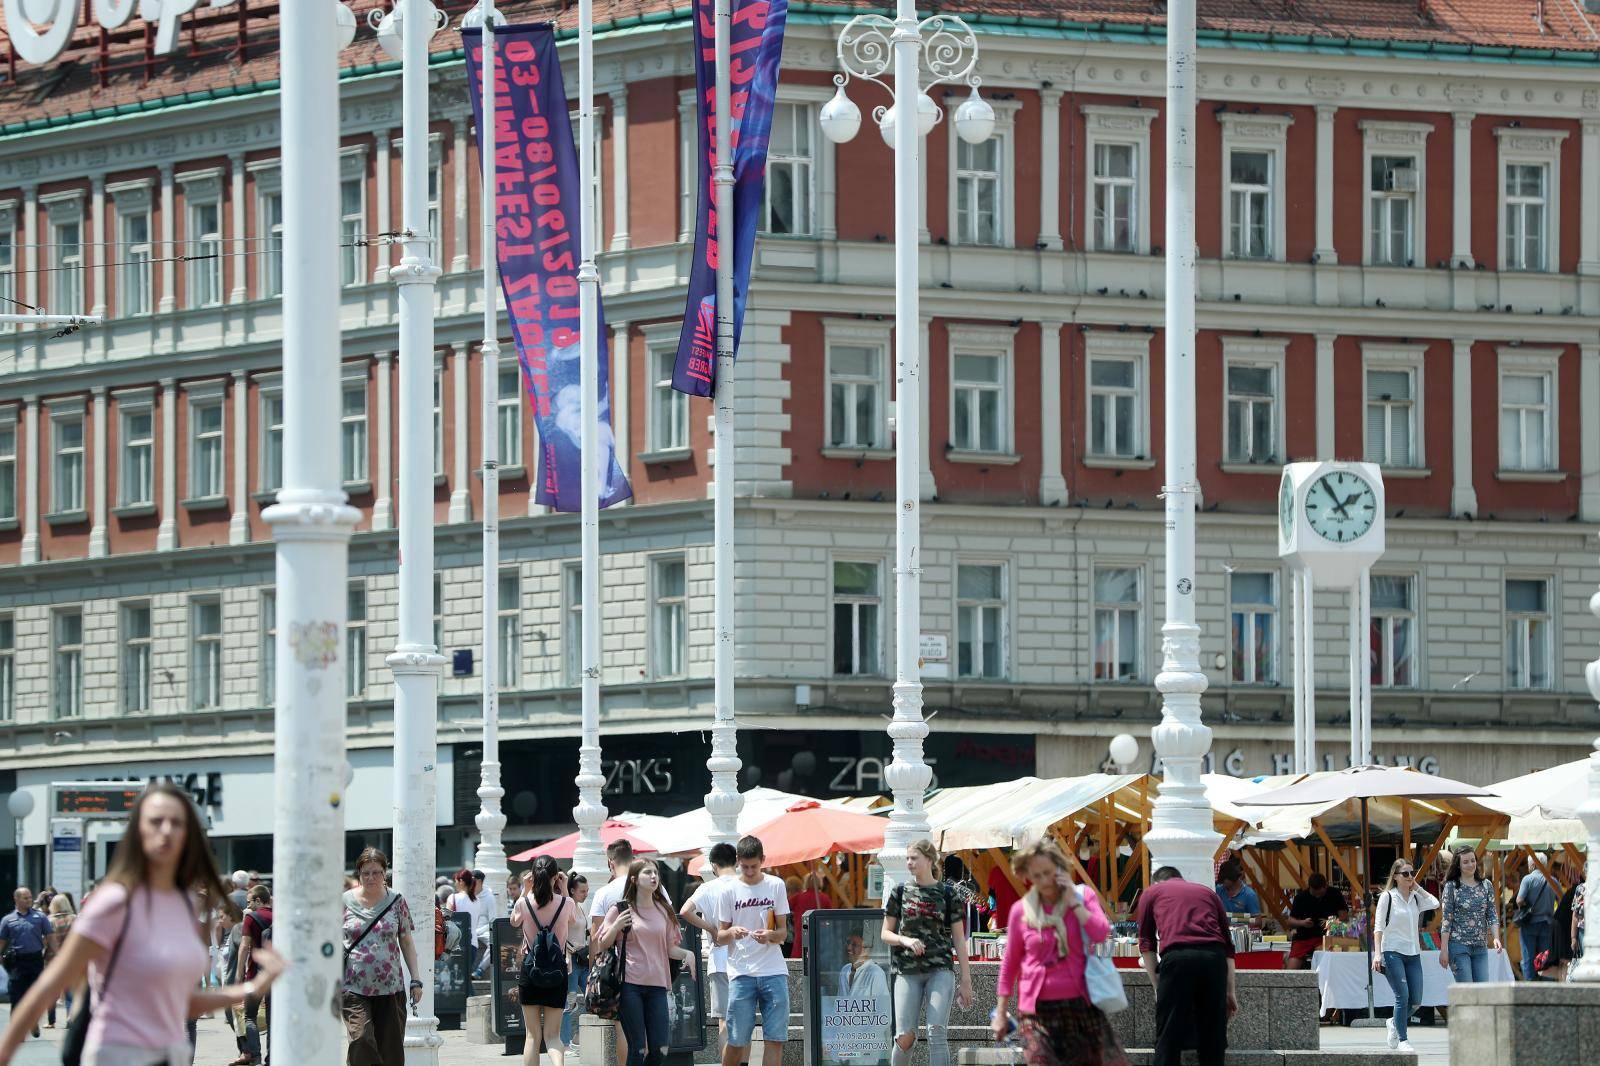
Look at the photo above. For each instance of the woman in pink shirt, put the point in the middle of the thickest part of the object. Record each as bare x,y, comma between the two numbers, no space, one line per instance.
139,942
1044,963
544,909
646,920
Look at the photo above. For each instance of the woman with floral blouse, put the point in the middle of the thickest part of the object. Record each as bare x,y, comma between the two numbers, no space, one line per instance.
1468,926
377,936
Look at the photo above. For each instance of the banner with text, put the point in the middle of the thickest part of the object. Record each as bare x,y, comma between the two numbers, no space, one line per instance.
537,233
756,46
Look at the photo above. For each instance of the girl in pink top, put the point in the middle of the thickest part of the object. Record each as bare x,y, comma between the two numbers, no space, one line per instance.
645,916
544,906
1044,964
140,944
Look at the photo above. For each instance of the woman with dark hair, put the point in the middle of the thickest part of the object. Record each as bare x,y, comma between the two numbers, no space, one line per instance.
141,945
468,900
1468,927
645,918
545,915
377,936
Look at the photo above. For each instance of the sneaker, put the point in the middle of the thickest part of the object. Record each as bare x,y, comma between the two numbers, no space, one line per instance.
1405,1046
1394,1037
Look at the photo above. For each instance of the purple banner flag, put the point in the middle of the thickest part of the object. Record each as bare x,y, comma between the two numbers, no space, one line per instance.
537,228
755,47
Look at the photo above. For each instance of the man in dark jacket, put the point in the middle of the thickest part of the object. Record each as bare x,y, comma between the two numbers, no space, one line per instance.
1194,982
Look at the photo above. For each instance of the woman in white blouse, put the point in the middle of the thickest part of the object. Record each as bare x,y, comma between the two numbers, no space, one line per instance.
1397,944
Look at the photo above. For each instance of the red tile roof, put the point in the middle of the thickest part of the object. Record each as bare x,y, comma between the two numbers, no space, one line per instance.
214,60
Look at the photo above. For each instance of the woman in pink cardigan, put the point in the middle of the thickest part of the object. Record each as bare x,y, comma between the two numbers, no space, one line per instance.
1043,967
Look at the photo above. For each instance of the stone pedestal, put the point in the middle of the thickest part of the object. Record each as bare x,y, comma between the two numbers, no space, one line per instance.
1513,1024
597,1041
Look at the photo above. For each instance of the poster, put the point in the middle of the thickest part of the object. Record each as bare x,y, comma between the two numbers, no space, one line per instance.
686,1005
505,973
452,971
850,1009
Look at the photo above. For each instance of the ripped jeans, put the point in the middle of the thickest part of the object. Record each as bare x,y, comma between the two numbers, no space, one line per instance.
912,993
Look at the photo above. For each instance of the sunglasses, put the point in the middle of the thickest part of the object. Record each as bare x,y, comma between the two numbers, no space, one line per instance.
1405,873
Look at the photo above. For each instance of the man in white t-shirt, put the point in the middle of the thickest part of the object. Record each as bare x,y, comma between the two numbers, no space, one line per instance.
753,921
701,909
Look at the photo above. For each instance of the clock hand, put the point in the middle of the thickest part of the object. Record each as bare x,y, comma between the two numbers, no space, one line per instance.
1336,504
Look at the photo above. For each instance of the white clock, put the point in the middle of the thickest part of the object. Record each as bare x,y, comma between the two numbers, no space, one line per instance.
1330,519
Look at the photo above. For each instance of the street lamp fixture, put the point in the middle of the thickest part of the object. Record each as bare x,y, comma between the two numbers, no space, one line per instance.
390,26
473,19
346,20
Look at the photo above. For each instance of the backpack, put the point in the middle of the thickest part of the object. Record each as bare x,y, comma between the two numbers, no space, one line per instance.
544,963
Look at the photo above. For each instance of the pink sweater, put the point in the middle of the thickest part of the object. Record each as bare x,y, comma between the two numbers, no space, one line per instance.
1032,955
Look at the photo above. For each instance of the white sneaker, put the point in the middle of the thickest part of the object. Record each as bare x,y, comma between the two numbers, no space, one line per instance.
1405,1046
1394,1037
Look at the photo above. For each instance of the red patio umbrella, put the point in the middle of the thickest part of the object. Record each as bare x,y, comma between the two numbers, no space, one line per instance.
563,847
809,831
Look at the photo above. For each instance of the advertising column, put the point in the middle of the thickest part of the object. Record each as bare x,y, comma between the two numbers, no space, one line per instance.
850,1020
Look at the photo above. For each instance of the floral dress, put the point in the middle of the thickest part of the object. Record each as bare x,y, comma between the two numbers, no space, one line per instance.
375,967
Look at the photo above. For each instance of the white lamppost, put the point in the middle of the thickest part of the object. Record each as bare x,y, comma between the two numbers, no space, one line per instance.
416,660
1588,967
936,50
491,819
311,523
1181,833
20,805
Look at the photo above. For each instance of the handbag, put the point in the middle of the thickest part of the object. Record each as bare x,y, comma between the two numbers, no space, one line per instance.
603,996
78,1024
363,934
1524,913
1100,975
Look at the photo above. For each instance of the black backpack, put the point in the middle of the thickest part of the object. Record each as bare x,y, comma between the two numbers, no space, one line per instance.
544,963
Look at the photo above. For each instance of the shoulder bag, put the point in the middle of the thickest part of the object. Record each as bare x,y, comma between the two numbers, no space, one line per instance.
78,1024
1525,912
603,996
393,899
1100,975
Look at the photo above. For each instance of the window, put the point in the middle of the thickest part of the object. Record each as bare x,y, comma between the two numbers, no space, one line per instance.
1526,419
205,456
270,226
67,482
1116,182
355,640
135,657
1114,424
572,630
980,620
1252,600
8,668
508,627
133,276
66,265
855,396
353,430
1392,192
670,620
979,403
136,480
508,409
978,192
669,408
1252,417
1250,205
352,226
269,647
1392,422
67,636
435,231
789,169
857,607
1527,633
8,467
1118,593
8,265
205,251
1393,605
271,438
438,612
205,653
1526,207
438,420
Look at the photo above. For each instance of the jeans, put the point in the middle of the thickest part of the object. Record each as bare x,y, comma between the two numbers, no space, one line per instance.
577,984
1405,978
912,991
1536,937
748,994
256,1011
646,1023
1469,962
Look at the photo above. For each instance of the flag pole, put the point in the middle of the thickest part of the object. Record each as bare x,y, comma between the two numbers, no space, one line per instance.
589,858
491,820
724,801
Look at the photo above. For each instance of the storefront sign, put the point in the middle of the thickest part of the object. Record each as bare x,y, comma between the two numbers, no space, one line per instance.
40,29
1234,764
66,855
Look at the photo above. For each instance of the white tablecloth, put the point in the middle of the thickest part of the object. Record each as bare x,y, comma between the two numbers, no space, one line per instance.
1342,978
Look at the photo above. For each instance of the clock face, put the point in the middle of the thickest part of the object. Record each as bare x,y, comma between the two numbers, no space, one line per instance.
1341,507
1286,506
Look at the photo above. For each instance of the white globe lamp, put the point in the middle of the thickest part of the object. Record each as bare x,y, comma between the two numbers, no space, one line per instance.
928,115
840,118
1124,750
974,119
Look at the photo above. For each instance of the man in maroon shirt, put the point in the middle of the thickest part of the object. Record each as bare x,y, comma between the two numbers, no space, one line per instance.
1194,983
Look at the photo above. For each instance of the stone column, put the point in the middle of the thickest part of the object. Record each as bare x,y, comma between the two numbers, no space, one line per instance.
1050,173
98,547
620,239
241,247
1052,485
385,221
1324,250
1589,208
1589,486
30,244
1461,219
30,483
460,495
239,523
621,405
169,249
689,176
458,261
167,533
1325,398
104,249
383,490
1463,497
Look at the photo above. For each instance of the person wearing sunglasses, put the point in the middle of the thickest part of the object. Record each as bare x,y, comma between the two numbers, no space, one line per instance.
1397,944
